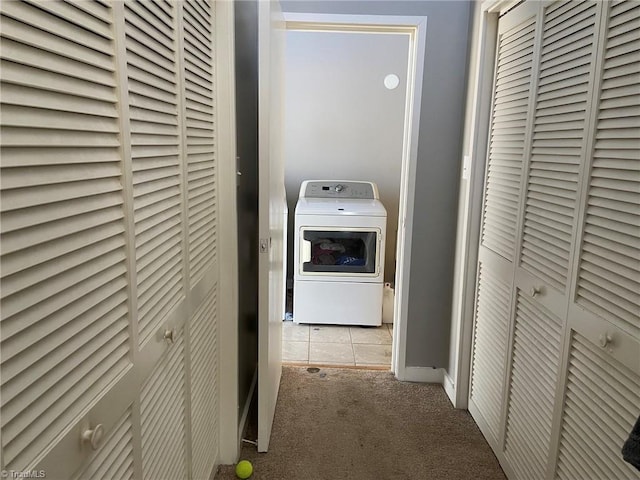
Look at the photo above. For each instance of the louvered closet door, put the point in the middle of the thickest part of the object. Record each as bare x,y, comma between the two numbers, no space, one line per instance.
66,355
109,239
555,161
162,416
154,121
566,225
171,119
114,460
600,406
204,391
535,363
491,331
198,56
608,282
172,126
494,295
152,73
602,388
558,141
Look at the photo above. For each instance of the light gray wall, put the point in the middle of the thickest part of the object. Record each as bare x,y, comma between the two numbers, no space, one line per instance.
439,158
341,122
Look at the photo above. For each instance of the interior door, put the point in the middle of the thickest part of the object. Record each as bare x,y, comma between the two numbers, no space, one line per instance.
272,204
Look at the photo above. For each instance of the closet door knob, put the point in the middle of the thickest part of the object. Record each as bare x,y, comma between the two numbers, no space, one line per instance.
535,291
92,436
605,340
169,335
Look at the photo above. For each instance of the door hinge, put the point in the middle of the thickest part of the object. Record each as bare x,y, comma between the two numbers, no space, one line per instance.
264,245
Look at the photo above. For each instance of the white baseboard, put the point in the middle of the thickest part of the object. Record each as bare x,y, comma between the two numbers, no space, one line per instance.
422,374
450,389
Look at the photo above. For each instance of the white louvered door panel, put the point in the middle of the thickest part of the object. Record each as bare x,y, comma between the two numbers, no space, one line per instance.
155,155
200,146
162,415
572,345
65,317
200,153
508,127
493,310
534,371
609,270
109,224
204,390
494,289
114,460
555,159
601,404
557,148
602,389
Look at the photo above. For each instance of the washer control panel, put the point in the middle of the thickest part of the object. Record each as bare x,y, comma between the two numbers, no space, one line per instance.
339,189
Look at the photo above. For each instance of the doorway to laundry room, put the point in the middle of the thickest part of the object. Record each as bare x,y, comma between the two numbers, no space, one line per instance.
349,110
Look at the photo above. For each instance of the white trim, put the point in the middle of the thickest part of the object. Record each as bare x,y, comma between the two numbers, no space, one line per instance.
423,375
228,232
499,6
415,27
357,23
449,389
479,136
407,196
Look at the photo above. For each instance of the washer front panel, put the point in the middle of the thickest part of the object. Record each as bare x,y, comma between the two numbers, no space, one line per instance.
338,189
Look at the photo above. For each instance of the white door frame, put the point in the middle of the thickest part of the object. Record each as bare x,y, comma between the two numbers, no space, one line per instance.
228,407
481,90
416,28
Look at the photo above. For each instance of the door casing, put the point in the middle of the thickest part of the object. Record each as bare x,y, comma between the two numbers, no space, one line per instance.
415,27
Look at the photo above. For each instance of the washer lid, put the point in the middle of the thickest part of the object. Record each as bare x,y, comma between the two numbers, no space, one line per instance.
335,206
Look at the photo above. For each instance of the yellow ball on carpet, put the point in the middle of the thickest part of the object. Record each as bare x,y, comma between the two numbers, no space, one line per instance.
244,469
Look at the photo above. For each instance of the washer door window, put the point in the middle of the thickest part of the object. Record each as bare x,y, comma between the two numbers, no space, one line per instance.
337,251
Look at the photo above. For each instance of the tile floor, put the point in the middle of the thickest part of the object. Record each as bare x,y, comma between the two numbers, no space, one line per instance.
336,345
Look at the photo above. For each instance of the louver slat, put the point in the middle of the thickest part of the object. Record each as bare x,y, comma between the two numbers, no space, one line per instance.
155,147
563,90
200,137
609,274
64,325
162,414
515,53
204,381
535,364
601,402
98,9
92,35
115,457
490,343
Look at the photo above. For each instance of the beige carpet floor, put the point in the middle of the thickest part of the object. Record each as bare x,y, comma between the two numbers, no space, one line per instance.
338,424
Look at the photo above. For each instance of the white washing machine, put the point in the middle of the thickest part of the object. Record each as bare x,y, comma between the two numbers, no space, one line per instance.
340,229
